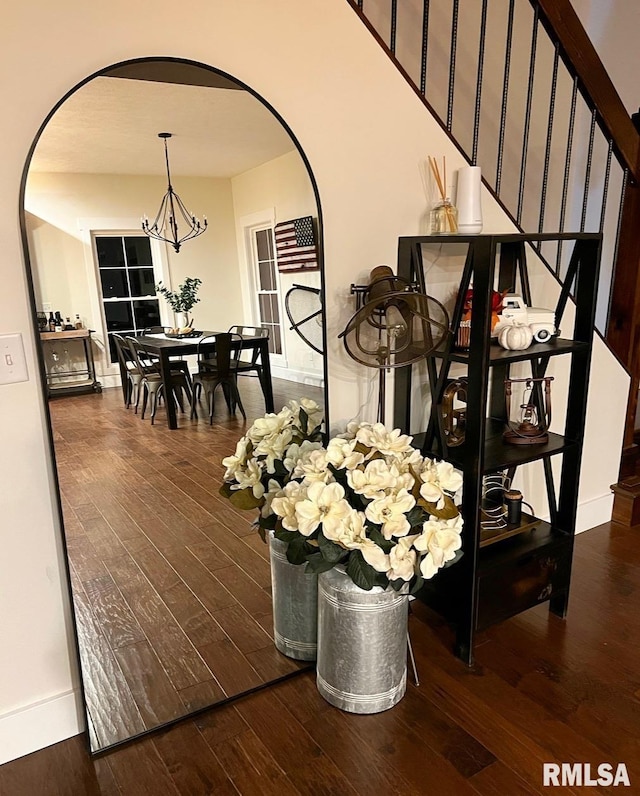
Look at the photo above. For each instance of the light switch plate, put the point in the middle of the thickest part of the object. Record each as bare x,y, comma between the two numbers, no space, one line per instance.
13,365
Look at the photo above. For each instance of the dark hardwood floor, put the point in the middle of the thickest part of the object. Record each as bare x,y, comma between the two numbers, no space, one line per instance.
542,690
171,584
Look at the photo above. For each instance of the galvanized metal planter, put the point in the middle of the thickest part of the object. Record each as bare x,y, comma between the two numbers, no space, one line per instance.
295,605
362,644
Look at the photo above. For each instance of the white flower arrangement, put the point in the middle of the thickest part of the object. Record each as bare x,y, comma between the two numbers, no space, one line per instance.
368,500
266,457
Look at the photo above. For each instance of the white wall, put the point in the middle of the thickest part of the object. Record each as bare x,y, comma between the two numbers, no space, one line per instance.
613,27
282,188
366,137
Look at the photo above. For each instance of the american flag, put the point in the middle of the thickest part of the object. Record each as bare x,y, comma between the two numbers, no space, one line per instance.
296,245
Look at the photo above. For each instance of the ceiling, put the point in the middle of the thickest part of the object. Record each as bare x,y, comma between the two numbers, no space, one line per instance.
111,125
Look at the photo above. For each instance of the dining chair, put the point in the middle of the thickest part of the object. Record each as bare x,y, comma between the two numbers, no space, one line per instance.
152,383
131,385
179,361
221,371
245,367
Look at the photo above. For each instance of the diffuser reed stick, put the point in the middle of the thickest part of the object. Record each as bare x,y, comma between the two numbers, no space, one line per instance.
444,216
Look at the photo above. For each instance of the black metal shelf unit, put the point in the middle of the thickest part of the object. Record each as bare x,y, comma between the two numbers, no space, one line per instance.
497,580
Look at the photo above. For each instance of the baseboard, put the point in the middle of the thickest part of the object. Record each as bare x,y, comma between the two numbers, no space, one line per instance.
591,513
41,724
300,376
594,512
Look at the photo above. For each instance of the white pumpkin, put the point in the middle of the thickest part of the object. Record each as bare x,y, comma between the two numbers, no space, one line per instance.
515,337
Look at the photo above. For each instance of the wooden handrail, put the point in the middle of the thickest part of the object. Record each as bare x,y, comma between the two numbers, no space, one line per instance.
562,24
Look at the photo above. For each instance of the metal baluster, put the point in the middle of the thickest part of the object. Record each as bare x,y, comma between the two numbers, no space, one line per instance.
452,64
605,188
525,143
587,174
425,44
547,153
567,169
625,180
394,26
505,93
476,120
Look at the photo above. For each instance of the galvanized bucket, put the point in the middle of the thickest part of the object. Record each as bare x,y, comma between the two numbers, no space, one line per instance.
295,605
362,644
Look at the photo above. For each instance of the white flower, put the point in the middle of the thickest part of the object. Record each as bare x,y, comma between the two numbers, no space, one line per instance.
440,539
237,461
438,478
450,478
341,454
313,467
375,556
389,443
269,425
295,453
314,412
372,481
402,560
250,478
349,533
284,504
272,447
273,488
324,504
389,512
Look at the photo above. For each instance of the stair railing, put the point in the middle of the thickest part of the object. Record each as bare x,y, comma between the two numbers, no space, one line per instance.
521,91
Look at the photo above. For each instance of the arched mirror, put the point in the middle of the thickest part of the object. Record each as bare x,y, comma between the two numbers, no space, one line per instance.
170,583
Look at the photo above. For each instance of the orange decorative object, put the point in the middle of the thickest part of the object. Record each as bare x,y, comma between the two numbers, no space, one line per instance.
496,306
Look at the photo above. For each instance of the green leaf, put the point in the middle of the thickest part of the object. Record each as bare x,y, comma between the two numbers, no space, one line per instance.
304,421
416,516
268,523
297,550
317,564
381,580
245,499
330,551
375,534
280,471
397,584
286,536
361,573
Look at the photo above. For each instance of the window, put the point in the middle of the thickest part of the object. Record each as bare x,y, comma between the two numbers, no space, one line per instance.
267,283
127,278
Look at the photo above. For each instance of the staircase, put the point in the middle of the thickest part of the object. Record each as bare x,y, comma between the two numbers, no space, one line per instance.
522,93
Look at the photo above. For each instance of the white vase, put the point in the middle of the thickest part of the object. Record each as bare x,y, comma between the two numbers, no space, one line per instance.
468,200
181,320
362,644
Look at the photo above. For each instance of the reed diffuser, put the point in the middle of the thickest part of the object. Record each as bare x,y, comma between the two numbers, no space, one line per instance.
444,216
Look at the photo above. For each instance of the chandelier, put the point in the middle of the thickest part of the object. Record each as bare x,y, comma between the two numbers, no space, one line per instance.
171,210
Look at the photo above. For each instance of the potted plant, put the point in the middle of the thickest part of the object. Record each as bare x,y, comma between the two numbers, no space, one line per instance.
372,518
263,463
182,301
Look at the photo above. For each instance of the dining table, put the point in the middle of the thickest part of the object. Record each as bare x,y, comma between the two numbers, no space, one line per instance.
167,347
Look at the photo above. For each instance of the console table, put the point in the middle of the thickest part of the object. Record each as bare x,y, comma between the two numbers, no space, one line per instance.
78,381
